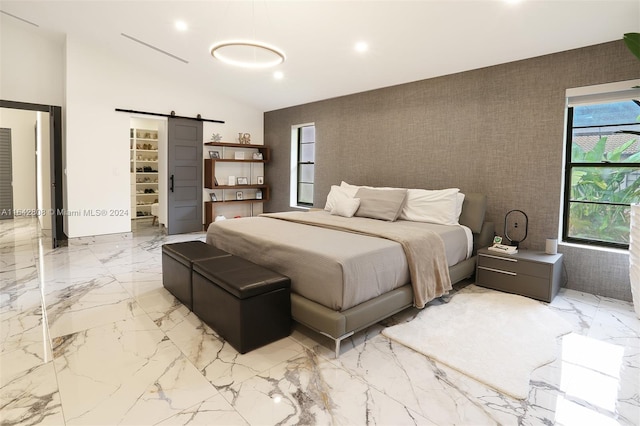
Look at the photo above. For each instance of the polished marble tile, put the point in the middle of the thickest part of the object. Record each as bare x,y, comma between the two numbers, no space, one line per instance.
90,336
126,372
214,411
311,390
88,303
25,342
31,397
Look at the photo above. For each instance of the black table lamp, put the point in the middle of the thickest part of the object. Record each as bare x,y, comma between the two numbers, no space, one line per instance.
516,226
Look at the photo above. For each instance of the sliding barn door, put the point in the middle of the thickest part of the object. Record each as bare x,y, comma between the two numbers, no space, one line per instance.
184,163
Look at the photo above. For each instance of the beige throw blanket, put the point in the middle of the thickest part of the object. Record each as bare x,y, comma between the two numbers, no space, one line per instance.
424,249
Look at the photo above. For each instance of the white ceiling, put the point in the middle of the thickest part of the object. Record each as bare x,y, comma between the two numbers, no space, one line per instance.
409,40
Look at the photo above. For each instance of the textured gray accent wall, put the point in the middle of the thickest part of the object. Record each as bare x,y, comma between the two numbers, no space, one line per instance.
497,130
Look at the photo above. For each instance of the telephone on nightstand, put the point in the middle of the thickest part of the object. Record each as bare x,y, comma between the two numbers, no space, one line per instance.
501,248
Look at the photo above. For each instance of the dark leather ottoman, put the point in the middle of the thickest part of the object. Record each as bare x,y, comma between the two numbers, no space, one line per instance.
177,259
247,305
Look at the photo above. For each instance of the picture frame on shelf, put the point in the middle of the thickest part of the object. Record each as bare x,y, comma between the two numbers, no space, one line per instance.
239,195
213,197
258,195
215,181
260,180
242,181
214,154
257,156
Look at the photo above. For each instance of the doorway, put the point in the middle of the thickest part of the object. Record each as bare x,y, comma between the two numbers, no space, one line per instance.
48,167
147,143
166,174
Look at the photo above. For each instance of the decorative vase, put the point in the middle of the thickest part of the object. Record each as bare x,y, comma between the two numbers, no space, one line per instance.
634,257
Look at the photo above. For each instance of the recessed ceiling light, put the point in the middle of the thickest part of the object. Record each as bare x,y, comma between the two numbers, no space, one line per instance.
247,53
181,26
361,46
278,75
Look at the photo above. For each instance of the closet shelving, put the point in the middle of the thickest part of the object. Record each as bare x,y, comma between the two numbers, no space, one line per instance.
144,171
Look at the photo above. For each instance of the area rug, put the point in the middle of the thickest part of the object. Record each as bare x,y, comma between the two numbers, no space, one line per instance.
493,337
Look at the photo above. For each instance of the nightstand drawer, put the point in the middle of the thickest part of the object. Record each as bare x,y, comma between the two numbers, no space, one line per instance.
513,282
512,264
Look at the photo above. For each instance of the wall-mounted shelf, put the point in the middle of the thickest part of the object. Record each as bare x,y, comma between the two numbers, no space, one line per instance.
220,166
225,145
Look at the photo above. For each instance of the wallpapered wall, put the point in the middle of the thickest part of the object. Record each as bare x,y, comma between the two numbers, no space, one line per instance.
497,130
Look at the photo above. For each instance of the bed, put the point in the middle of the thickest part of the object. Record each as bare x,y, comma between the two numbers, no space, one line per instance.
349,271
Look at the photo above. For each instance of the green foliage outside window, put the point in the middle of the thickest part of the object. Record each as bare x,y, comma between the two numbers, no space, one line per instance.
600,196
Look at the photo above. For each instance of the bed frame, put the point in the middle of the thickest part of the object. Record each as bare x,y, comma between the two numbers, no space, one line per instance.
341,325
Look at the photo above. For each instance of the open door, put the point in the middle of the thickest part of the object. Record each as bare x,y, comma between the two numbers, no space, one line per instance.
184,164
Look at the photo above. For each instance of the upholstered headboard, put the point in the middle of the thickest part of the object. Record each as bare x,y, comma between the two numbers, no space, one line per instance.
473,210
472,216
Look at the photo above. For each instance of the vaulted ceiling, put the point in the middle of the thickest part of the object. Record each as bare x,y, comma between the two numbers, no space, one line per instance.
407,40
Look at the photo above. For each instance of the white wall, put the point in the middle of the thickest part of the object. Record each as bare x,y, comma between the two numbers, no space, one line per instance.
23,153
97,137
32,63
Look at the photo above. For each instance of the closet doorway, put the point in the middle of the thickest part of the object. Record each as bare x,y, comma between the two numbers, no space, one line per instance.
148,172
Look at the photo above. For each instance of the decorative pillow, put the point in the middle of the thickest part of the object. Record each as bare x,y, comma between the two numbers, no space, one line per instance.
435,206
346,207
354,188
384,204
350,189
336,194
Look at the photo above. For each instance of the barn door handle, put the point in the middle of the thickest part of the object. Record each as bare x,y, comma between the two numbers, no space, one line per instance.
171,188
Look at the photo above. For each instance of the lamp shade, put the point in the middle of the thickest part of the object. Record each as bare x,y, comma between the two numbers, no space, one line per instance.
634,257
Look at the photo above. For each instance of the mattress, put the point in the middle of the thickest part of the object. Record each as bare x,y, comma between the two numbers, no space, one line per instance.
334,268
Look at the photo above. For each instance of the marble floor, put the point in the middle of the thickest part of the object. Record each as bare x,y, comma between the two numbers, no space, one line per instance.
89,337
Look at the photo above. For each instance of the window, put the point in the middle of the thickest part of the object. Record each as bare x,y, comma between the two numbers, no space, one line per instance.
602,174
303,165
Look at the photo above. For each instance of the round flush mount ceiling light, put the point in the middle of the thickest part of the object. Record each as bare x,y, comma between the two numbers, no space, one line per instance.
247,54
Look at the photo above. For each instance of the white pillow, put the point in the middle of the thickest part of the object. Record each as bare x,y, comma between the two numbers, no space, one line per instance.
418,202
459,200
336,194
350,189
435,206
346,207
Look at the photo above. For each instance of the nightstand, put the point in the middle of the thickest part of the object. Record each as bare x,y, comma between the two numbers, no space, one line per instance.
528,273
